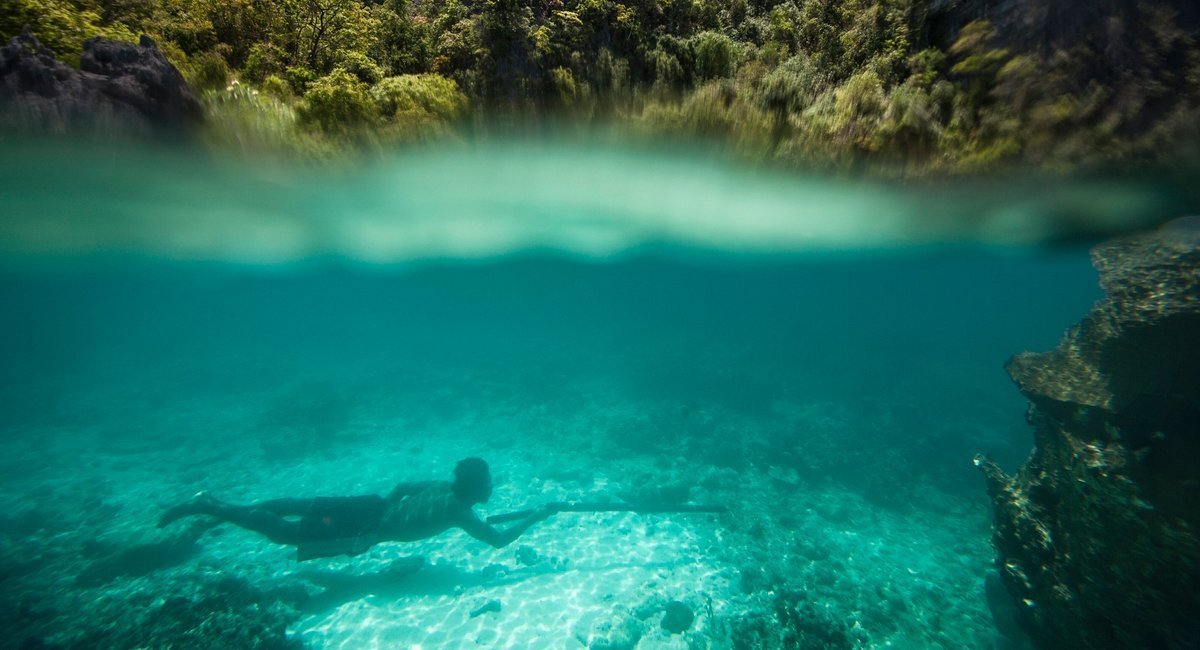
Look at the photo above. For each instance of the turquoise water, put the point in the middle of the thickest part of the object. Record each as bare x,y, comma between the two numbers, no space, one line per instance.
822,357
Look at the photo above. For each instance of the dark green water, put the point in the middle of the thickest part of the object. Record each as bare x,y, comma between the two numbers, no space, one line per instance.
824,357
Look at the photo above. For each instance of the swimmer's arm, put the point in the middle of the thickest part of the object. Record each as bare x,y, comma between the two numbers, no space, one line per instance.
480,530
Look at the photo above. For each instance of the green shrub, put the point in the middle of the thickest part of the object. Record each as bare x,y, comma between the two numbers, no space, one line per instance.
276,87
928,65
360,65
209,71
264,60
789,88
429,93
668,73
716,55
609,74
842,123
784,21
337,104
241,119
299,78
175,56
405,43
861,98
716,112
418,108
911,121
60,25
709,110
566,91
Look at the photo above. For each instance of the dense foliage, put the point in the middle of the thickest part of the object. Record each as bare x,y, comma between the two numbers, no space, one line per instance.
841,84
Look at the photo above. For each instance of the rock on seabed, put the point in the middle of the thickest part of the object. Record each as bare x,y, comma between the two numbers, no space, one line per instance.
1096,533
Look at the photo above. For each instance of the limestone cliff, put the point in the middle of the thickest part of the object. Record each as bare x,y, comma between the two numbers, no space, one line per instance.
121,89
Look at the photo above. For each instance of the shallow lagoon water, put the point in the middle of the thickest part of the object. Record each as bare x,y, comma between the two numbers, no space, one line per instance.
822,357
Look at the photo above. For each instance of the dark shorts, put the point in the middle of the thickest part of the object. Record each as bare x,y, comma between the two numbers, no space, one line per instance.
340,526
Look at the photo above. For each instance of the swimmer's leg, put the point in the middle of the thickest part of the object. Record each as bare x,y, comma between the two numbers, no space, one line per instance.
259,518
286,507
200,504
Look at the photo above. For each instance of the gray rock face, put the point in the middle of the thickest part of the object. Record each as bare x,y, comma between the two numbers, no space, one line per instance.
1097,532
119,90
1045,25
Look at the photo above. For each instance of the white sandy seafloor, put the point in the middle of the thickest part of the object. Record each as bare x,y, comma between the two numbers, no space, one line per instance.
905,578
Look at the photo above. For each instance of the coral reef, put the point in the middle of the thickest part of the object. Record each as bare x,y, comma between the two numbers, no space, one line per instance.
113,561
78,574
1096,533
807,625
225,612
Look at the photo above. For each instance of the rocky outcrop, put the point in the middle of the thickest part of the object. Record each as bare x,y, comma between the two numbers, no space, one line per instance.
1097,533
1106,27
121,89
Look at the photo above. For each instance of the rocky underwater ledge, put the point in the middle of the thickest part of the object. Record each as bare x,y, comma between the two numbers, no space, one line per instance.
1097,533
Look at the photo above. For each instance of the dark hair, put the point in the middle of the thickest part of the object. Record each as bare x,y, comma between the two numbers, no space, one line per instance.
471,476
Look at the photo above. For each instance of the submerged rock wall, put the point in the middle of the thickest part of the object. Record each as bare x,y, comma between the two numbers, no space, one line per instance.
1097,533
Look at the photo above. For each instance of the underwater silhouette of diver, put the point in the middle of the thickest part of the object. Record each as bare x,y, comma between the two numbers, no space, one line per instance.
330,526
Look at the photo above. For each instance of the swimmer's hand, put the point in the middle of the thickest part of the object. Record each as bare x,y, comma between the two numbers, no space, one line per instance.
541,513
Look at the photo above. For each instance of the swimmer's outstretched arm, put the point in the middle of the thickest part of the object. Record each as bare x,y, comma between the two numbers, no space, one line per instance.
477,528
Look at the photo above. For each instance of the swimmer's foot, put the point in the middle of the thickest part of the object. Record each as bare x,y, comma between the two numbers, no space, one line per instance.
202,503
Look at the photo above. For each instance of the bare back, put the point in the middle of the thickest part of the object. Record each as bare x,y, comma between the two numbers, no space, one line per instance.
421,510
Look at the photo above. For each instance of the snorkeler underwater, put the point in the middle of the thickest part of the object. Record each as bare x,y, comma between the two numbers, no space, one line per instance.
600,324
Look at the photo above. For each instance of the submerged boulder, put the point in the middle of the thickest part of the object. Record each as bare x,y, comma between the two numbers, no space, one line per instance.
1097,532
121,89
677,617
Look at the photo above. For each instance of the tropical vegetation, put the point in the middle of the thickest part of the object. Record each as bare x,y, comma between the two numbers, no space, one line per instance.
883,85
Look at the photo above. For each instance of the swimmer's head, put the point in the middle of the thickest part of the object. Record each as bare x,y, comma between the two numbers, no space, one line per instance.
472,480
